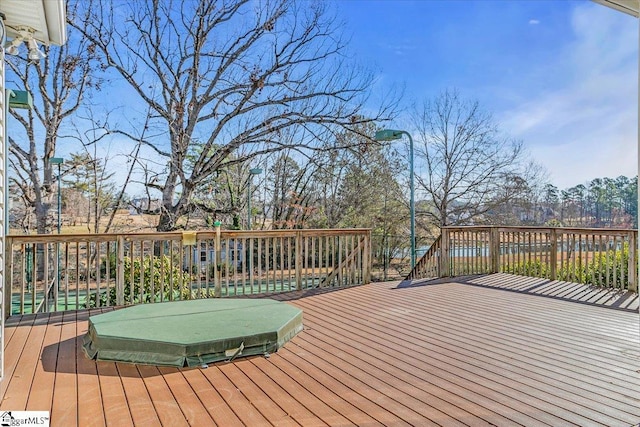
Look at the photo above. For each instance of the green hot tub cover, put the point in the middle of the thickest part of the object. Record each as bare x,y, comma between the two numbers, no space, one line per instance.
191,333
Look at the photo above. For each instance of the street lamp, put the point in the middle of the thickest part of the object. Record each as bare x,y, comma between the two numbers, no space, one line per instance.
58,161
14,99
392,135
252,172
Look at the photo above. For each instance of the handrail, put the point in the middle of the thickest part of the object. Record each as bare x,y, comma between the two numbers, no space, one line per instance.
40,238
428,265
46,301
597,256
94,270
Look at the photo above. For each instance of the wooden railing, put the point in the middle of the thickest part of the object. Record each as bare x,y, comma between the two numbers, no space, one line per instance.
429,265
66,272
601,257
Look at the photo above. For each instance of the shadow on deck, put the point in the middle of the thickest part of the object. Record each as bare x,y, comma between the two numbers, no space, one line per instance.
556,289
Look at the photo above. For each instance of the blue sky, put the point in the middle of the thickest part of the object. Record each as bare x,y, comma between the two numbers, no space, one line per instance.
561,76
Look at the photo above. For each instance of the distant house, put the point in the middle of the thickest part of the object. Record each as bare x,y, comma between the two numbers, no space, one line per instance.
205,255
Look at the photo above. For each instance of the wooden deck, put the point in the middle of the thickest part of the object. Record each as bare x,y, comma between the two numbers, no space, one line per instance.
457,352
557,289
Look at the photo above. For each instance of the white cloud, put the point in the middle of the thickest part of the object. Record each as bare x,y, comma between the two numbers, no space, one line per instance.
585,126
400,49
533,22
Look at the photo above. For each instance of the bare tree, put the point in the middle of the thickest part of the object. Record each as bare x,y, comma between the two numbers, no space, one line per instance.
222,195
292,201
59,83
221,75
466,160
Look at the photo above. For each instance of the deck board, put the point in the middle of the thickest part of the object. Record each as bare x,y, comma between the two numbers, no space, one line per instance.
240,400
366,397
313,403
90,411
253,395
372,392
288,403
213,400
140,405
484,350
321,387
19,330
411,359
553,354
22,376
65,397
558,289
190,403
114,401
42,387
165,404
407,399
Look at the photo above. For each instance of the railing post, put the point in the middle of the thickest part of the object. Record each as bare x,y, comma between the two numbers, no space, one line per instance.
366,258
553,259
444,253
217,286
56,271
298,260
633,261
494,244
120,272
7,276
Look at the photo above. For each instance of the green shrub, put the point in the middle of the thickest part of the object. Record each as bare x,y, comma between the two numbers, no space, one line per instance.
598,270
601,269
534,268
169,283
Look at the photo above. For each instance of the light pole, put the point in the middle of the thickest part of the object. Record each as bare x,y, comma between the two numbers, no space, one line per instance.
252,172
13,99
23,100
392,135
58,161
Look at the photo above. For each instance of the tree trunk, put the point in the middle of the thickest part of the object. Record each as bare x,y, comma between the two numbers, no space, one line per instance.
167,221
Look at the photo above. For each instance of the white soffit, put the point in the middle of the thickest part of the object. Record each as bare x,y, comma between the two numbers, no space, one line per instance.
46,17
630,7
